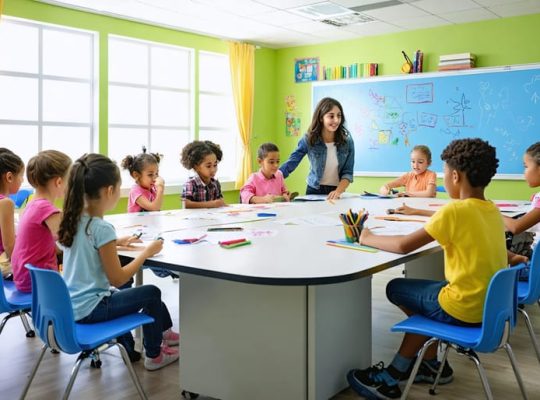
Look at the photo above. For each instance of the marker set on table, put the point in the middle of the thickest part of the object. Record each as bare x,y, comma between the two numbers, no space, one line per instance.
226,244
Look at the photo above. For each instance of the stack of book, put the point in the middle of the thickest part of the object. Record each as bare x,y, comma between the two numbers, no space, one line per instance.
452,62
356,70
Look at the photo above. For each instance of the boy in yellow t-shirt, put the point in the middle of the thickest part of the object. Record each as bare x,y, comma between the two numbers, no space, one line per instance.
471,232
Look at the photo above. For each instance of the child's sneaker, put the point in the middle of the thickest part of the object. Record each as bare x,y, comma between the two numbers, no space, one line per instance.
375,382
171,338
166,356
428,372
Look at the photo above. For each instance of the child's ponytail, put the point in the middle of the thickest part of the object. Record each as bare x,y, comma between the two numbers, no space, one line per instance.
73,202
88,176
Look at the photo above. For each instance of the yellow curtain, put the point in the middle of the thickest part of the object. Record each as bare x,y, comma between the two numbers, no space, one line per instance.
242,60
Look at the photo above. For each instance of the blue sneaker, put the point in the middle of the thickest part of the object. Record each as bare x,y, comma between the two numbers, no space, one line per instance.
375,382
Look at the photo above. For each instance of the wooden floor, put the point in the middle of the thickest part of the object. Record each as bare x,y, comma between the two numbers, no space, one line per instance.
17,356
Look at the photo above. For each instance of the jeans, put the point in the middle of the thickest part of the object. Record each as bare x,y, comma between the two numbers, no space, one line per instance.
122,302
420,296
323,189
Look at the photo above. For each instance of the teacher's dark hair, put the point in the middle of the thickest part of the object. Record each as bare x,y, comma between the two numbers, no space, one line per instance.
314,132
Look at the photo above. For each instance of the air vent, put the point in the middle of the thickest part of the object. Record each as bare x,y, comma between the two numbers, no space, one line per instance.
331,14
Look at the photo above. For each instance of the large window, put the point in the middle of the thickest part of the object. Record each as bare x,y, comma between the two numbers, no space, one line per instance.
150,103
217,117
47,89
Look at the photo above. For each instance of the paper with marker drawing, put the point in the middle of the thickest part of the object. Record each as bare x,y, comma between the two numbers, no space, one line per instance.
314,220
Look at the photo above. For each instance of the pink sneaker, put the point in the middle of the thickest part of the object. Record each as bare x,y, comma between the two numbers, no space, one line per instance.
166,356
171,338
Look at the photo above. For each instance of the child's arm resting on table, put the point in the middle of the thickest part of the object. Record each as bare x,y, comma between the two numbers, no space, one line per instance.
400,244
205,204
118,275
519,225
406,210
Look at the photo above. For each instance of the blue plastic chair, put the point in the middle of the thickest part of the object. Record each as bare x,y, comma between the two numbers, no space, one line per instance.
21,197
529,293
15,303
499,318
52,312
441,189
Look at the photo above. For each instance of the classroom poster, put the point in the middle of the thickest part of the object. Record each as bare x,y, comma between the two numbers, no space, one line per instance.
306,69
292,117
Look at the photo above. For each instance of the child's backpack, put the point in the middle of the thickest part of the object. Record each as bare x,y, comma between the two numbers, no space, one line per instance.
522,244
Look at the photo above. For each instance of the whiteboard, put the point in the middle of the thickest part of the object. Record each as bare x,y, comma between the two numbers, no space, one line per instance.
387,116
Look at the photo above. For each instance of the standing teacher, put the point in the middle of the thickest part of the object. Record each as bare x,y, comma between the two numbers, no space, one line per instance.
330,150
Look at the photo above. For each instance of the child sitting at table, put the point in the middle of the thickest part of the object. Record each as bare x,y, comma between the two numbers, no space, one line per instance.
471,232
38,227
267,185
202,190
92,267
147,193
420,182
11,177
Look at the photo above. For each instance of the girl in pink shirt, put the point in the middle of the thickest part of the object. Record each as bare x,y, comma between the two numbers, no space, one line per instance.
38,227
531,160
420,182
11,177
267,185
147,193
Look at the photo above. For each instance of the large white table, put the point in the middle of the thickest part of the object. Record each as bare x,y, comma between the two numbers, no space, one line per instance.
283,318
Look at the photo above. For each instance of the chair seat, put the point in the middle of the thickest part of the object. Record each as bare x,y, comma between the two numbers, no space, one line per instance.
17,300
90,336
463,336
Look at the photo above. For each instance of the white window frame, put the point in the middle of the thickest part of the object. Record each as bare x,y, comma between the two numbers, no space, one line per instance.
175,187
41,77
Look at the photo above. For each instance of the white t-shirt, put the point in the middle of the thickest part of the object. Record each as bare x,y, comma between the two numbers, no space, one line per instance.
330,175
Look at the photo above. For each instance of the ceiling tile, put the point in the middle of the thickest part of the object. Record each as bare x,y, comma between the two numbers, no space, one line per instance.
439,6
396,12
279,18
489,3
517,8
476,14
420,22
373,28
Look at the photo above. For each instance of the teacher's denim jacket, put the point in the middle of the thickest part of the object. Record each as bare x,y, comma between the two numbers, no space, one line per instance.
317,159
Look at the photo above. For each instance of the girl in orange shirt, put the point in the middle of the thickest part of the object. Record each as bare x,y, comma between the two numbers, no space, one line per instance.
420,182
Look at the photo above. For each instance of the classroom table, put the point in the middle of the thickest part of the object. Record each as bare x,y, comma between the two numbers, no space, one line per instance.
287,316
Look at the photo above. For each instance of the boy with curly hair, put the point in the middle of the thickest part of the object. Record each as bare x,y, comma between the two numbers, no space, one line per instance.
202,190
471,232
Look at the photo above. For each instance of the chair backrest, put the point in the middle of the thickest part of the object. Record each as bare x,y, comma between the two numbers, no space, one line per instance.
533,292
21,196
52,311
4,305
441,189
500,308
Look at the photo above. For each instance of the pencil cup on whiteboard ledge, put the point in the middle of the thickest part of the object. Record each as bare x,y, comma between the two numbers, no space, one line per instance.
352,232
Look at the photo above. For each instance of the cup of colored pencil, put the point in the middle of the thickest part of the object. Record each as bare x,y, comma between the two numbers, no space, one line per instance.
353,223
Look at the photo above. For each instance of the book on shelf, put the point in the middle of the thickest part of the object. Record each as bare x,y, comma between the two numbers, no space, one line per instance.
457,56
457,62
455,67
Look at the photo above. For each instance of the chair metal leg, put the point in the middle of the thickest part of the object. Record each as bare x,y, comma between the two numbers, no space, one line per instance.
73,375
439,372
512,358
531,332
29,331
33,373
483,378
414,371
134,377
6,318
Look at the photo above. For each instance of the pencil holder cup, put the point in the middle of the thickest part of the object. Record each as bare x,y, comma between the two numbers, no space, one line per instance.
352,232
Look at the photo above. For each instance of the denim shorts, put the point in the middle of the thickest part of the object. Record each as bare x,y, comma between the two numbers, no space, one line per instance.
421,296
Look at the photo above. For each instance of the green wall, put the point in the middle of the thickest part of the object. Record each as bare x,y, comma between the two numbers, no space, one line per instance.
495,42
